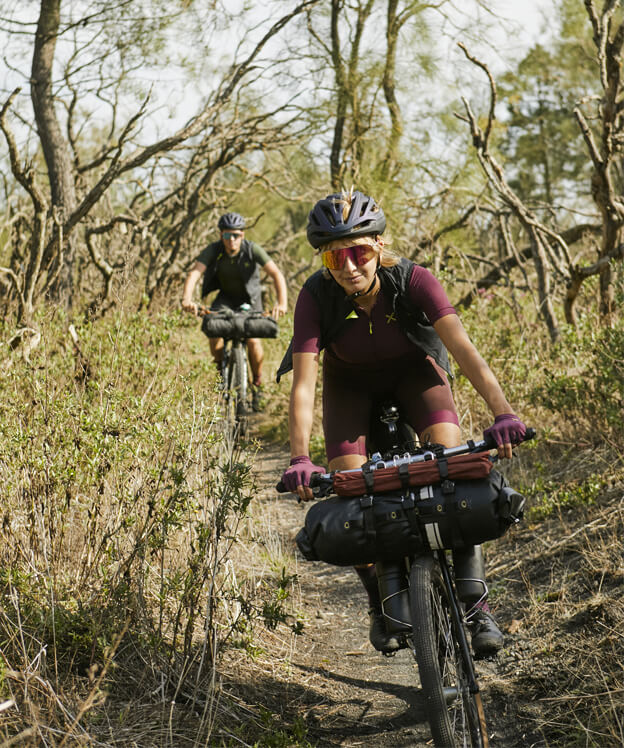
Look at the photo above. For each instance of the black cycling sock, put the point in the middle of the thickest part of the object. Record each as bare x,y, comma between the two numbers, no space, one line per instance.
368,577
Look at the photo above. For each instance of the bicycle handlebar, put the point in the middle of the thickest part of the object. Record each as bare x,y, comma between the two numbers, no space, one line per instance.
321,483
226,313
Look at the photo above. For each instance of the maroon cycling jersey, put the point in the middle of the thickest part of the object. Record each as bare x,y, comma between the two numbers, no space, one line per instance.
366,339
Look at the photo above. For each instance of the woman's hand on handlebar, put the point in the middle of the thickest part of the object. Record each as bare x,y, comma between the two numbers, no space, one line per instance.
296,478
506,431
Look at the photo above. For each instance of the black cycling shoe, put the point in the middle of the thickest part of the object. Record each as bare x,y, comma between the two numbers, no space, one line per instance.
379,637
257,399
487,638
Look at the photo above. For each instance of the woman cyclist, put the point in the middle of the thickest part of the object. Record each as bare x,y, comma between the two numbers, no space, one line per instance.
386,325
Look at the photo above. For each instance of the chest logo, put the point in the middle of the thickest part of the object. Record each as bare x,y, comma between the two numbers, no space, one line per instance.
390,318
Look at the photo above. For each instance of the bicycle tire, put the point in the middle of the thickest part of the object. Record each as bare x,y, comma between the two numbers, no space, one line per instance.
227,396
238,383
455,714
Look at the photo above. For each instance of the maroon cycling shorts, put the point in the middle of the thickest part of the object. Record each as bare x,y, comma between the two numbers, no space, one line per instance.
415,382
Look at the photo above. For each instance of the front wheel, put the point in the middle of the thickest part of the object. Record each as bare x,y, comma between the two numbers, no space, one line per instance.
455,713
238,385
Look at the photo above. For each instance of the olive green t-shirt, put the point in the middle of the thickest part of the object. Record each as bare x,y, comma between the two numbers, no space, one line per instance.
228,275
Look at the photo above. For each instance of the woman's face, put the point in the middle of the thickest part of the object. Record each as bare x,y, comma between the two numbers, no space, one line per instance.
353,277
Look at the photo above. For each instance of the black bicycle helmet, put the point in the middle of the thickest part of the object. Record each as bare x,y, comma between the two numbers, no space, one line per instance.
230,221
326,221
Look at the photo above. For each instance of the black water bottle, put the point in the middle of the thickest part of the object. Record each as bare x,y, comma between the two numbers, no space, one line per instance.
393,590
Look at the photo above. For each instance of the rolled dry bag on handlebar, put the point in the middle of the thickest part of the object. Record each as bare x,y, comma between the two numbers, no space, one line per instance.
451,514
239,324
218,326
260,327
356,482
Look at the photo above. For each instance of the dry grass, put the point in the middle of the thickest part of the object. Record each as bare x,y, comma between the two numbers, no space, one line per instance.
120,560
561,581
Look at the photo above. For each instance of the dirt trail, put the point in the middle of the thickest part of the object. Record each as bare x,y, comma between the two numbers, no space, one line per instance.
350,695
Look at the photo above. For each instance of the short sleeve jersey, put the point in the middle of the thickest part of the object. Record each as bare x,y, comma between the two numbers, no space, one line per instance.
228,275
378,337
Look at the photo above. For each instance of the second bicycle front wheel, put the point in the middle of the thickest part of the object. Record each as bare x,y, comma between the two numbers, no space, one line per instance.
238,383
453,710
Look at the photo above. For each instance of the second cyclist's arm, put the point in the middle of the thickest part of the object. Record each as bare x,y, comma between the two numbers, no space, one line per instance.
279,282
194,275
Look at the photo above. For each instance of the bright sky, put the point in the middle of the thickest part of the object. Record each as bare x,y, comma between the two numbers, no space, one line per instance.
506,43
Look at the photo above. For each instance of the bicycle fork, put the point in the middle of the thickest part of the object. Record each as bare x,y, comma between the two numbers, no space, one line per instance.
462,642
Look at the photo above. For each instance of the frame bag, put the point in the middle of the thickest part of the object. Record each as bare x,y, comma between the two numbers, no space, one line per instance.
453,514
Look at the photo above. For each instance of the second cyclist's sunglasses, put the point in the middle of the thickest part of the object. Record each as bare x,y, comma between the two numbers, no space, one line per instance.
360,254
231,234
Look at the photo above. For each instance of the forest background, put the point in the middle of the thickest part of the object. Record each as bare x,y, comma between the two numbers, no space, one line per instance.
130,561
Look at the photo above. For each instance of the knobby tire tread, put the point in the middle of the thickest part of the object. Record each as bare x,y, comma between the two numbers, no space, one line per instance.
426,650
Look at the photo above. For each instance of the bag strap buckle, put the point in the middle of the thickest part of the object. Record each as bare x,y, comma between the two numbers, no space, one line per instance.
404,475
369,481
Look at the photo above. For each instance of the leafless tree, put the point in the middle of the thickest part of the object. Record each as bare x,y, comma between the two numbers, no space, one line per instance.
542,240
604,137
75,198
548,248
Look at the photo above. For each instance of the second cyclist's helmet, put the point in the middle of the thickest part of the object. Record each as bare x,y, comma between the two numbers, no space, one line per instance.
231,221
327,222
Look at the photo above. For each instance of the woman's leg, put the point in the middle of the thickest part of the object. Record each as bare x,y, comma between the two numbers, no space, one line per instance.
346,417
378,636
447,434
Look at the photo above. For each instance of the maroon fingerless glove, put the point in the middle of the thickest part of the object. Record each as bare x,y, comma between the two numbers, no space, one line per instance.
299,472
506,429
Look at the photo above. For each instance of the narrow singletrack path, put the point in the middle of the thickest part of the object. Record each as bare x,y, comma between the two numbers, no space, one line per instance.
345,692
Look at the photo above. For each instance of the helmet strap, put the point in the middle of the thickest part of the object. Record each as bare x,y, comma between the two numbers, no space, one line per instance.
357,294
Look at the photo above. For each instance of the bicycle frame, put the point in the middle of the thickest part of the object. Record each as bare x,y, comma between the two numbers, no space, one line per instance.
233,366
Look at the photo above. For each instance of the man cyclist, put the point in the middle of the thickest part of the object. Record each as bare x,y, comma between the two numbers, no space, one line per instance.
231,266
385,325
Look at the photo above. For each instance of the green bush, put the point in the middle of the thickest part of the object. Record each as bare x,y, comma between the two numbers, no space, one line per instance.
584,382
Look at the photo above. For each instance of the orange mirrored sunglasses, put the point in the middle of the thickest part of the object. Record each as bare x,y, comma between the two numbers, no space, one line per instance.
360,254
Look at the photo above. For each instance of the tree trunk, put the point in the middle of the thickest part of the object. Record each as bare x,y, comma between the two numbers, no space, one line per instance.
388,166
55,148
335,160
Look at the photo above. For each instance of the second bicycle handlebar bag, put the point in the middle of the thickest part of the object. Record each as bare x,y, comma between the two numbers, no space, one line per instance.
239,324
453,514
260,327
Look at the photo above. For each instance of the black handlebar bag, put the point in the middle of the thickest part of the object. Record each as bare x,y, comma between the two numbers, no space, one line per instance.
217,326
237,324
452,515
260,327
